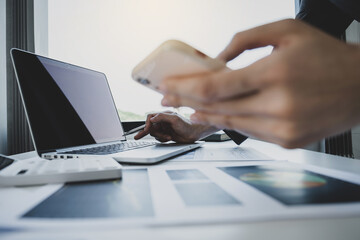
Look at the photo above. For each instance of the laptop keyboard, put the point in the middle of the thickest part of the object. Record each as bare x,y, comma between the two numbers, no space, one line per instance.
113,148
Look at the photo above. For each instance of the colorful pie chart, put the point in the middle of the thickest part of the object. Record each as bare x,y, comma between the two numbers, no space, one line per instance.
283,179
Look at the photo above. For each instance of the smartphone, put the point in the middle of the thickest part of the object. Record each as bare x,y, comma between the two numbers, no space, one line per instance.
173,58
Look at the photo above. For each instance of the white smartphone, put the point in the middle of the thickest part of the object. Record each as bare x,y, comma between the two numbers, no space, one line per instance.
173,58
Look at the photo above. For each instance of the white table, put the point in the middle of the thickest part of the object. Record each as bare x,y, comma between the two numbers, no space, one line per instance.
339,228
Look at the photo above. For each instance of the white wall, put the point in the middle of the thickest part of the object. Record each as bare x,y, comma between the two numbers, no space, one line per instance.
41,25
3,119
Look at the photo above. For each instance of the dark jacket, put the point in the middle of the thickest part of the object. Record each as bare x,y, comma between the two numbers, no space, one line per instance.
331,16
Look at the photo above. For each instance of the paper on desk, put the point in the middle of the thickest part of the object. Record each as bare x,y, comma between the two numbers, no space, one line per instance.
193,189
194,193
14,201
225,154
17,200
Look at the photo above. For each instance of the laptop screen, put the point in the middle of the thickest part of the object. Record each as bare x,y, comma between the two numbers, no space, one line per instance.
66,105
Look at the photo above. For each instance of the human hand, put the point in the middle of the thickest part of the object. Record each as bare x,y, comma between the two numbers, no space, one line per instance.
308,88
169,126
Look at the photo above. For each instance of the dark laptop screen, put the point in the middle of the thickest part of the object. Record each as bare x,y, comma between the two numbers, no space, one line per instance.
66,105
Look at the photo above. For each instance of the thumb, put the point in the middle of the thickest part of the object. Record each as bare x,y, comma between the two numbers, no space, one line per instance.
265,35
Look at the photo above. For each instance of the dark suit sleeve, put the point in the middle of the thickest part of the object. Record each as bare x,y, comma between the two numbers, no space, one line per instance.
350,7
331,16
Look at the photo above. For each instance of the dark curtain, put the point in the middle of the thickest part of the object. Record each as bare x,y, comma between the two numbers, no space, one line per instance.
19,34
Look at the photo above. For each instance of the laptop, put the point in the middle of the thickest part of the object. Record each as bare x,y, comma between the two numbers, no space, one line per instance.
72,114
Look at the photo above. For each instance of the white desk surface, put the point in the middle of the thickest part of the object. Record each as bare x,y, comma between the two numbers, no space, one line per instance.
339,228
